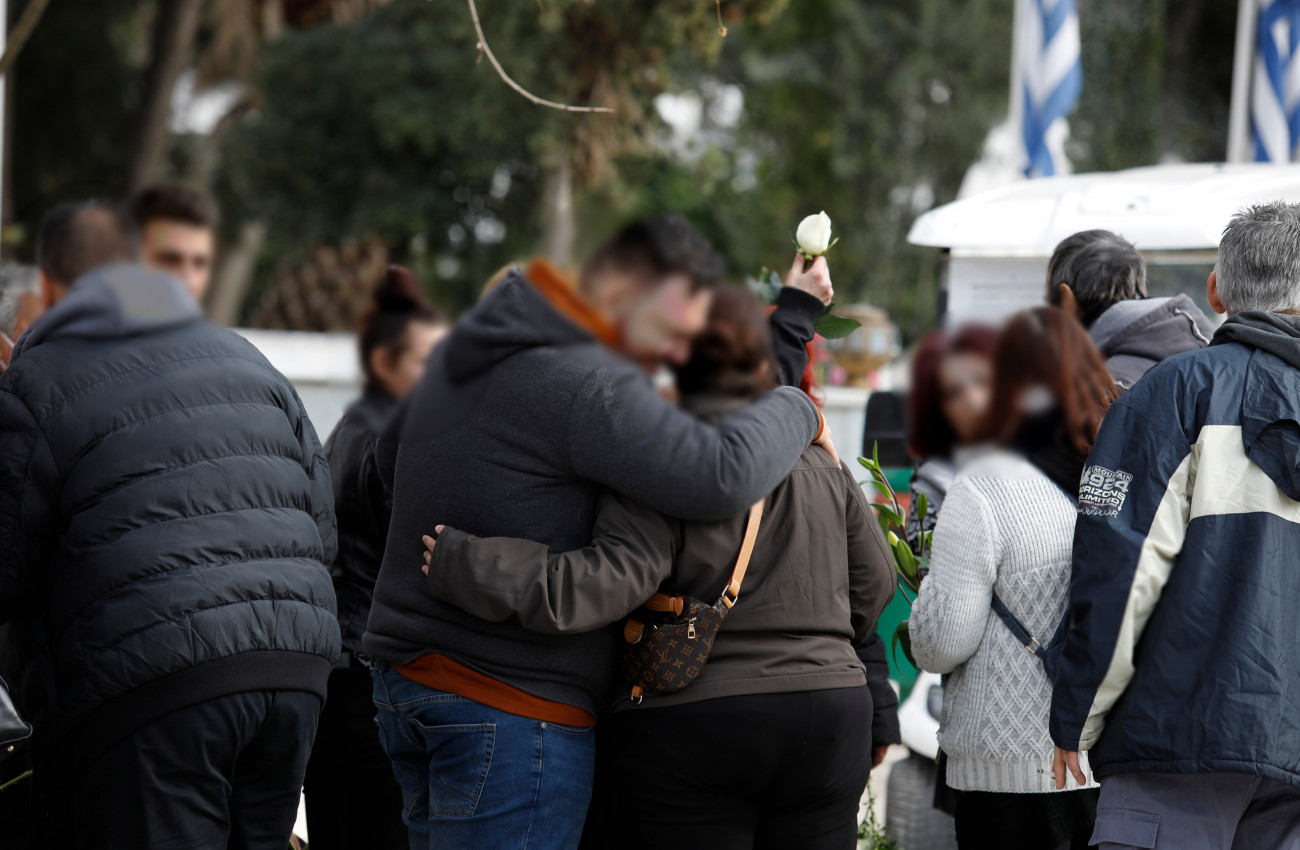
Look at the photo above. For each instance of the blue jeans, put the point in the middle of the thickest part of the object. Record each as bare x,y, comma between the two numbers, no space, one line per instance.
477,778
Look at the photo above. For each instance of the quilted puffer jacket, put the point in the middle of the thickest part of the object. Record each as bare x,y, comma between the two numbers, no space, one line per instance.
166,516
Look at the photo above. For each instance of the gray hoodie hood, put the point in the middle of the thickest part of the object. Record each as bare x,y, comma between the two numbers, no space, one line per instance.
1270,409
1135,335
512,318
111,302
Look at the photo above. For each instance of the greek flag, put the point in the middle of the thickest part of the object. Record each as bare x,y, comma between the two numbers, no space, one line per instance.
1051,78
1275,95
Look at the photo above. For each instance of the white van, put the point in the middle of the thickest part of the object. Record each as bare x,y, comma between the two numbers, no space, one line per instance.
996,245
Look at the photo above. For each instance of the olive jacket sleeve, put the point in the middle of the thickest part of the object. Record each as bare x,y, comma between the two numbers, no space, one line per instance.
495,578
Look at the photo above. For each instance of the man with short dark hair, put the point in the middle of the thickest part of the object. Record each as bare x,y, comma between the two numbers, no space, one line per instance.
178,226
538,402
1179,672
1100,278
166,519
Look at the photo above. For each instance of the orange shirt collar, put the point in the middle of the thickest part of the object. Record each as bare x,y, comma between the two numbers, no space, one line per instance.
557,290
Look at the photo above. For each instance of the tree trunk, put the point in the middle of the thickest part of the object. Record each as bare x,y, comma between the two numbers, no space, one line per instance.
233,274
557,239
173,42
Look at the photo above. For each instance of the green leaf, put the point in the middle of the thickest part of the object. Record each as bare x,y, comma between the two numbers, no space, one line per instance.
831,326
868,463
889,513
883,487
875,453
903,638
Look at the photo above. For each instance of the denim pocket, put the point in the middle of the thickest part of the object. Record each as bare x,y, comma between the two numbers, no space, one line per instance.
1125,828
460,757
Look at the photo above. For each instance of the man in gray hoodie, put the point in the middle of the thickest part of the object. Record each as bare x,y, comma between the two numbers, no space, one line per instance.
1100,278
534,406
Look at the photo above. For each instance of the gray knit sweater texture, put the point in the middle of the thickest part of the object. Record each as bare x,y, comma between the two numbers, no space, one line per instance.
1006,527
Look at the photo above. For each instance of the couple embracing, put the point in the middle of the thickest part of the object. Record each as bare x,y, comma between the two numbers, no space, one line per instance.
570,492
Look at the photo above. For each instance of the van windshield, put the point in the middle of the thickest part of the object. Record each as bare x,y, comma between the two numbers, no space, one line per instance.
1165,280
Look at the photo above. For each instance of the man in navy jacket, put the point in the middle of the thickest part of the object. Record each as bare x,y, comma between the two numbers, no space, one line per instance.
1180,673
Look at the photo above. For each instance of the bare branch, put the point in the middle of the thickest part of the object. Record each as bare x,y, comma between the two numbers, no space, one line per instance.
487,51
722,31
22,31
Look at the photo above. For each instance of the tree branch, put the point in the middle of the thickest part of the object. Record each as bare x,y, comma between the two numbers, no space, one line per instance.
487,51
22,31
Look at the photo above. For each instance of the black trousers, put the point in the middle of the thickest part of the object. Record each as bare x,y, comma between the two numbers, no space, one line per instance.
996,821
763,771
353,799
225,773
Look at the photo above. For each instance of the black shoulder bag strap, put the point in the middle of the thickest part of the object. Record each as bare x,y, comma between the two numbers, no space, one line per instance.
1017,629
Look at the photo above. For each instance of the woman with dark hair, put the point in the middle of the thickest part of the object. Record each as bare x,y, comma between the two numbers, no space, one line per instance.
1007,532
771,745
353,799
952,379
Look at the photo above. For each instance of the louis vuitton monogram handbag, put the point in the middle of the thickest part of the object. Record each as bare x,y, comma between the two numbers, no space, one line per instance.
669,638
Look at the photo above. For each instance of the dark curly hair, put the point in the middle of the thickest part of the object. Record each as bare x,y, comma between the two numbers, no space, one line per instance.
733,355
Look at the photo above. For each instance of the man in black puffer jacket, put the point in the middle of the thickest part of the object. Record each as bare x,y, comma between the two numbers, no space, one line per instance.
166,519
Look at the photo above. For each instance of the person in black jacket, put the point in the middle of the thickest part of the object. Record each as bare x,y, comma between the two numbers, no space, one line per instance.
353,799
165,524
535,404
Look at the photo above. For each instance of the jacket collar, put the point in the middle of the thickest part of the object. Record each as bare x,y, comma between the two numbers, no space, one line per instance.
559,292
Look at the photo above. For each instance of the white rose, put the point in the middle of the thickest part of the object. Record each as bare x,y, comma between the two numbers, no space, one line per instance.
814,235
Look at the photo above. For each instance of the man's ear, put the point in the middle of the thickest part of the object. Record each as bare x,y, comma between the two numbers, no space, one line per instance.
52,291
1069,303
1212,293
610,295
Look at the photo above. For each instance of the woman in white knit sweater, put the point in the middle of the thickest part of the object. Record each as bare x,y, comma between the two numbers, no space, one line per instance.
1008,527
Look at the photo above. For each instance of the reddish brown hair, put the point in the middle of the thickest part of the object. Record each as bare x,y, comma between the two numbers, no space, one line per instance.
928,431
1045,347
729,354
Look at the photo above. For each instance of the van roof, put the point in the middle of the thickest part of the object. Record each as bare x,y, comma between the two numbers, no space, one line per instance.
1158,208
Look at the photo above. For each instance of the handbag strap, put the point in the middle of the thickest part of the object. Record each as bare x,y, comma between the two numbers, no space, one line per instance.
732,591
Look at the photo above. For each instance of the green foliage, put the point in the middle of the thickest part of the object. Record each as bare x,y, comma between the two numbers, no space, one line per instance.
832,326
1166,68
386,127
910,566
767,286
75,87
870,834
873,112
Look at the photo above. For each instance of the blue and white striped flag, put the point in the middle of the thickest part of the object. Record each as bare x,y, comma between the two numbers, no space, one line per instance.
1275,95
1051,77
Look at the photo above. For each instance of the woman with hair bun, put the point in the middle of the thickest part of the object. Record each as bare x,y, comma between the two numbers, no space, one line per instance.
353,799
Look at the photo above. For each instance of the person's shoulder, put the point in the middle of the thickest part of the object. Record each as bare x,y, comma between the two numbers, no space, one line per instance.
993,472
1180,381
993,462
575,364
934,474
